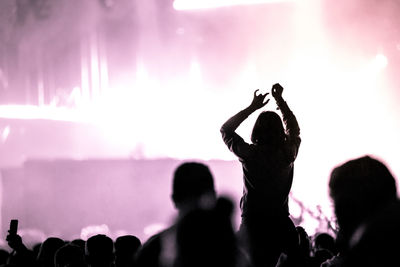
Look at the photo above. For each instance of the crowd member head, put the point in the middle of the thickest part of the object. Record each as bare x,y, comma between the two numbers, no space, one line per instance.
268,129
47,251
99,251
324,241
125,249
359,189
69,255
79,242
193,186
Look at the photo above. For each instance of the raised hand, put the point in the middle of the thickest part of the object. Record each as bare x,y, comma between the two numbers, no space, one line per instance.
258,100
277,90
14,241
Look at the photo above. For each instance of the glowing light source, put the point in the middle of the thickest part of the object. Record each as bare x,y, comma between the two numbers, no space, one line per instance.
30,112
5,133
204,4
380,61
92,230
153,228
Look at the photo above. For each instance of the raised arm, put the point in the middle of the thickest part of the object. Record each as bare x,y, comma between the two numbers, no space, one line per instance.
235,143
291,126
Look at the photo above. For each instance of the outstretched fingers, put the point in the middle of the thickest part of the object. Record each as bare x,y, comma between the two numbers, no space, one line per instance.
255,92
263,95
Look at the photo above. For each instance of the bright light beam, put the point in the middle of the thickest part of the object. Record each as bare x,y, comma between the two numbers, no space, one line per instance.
380,61
206,4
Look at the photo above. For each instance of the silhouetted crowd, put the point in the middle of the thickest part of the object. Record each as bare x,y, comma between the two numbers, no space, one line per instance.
362,190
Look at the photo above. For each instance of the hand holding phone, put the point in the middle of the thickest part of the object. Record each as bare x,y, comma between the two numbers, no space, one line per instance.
13,239
13,227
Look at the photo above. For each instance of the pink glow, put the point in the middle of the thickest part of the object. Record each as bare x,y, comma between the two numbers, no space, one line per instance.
381,61
161,87
205,4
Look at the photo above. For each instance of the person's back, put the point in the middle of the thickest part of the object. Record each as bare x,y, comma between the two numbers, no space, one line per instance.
99,251
377,242
192,187
205,237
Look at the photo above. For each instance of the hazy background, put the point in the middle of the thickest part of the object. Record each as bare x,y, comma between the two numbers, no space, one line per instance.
125,83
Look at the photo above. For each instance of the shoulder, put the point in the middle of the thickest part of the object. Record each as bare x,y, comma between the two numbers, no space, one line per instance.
151,249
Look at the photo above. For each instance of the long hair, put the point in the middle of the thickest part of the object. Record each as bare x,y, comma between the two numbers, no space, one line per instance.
268,130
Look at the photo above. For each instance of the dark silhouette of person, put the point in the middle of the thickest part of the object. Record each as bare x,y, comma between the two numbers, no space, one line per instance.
364,195
376,243
80,243
192,188
99,251
304,244
36,249
324,241
125,250
20,254
205,237
268,163
47,251
3,256
323,249
69,255
301,256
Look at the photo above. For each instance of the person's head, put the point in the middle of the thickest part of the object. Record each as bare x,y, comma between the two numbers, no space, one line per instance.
125,248
359,188
79,242
193,185
99,250
268,129
48,249
324,241
69,255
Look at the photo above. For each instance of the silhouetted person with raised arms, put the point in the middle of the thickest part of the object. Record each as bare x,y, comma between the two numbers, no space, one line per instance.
20,255
364,195
192,188
268,174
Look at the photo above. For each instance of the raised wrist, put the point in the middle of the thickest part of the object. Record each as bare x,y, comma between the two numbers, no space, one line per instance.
278,98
